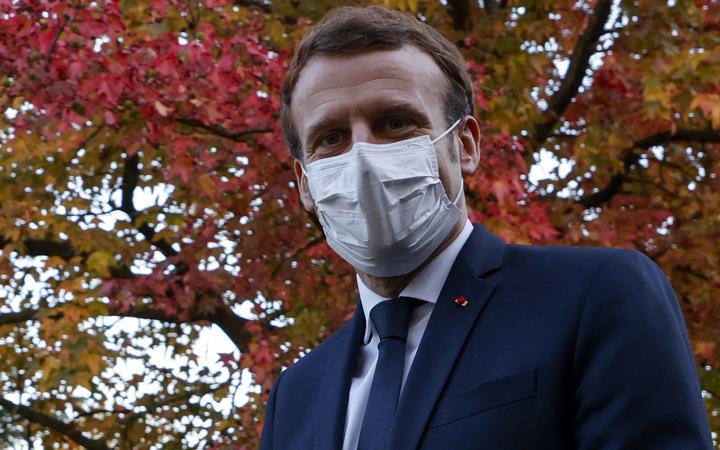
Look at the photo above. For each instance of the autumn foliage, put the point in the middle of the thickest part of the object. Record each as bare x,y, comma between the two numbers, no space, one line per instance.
143,175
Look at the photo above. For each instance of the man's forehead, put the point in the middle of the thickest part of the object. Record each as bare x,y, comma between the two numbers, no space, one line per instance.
405,58
403,74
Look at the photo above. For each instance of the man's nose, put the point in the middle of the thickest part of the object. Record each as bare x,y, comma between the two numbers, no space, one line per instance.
363,132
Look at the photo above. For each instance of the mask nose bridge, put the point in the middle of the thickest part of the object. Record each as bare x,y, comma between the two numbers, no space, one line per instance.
363,175
362,133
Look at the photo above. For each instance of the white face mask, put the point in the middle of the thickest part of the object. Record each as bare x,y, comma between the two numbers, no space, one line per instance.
383,207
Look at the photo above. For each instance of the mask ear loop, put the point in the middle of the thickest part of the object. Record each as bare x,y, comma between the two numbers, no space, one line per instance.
446,132
306,175
462,181
460,192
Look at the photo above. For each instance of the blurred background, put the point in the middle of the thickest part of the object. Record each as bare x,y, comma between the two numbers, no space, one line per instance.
156,269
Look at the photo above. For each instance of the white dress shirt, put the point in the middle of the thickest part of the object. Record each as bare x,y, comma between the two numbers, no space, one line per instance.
426,285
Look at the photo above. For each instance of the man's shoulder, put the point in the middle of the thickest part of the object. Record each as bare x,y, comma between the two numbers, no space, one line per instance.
567,251
625,278
573,259
574,270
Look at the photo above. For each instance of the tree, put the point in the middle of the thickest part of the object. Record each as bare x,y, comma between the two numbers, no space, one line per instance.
108,104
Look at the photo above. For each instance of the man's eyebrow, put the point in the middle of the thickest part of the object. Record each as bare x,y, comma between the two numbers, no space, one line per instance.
402,108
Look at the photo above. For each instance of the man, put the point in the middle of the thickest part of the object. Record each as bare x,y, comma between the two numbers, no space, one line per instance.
459,341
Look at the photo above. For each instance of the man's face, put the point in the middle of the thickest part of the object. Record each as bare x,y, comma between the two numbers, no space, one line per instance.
376,97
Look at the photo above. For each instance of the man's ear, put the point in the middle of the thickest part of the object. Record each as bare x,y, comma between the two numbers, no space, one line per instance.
470,149
303,187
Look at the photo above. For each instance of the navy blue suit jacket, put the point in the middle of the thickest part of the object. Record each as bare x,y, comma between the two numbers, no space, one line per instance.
557,348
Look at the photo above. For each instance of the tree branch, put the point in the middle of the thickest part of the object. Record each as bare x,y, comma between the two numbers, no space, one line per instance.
222,131
494,5
46,247
156,404
688,270
229,322
232,325
584,48
66,429
459,11
705,136
90,136
53,44
130,177
63,249
17,317
257,4
631,158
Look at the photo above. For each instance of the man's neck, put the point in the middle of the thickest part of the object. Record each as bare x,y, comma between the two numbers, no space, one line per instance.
393,286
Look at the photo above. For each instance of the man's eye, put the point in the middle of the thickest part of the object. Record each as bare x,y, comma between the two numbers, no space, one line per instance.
398,123
330,140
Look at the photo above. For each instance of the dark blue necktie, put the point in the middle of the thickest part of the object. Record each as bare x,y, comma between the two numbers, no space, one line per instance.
391,319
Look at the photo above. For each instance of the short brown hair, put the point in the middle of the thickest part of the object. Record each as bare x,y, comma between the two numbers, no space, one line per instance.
355,29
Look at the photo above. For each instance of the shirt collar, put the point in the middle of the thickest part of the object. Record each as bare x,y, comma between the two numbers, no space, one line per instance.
426,285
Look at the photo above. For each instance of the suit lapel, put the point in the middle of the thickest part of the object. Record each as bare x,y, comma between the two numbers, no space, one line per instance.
329,423
445,335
